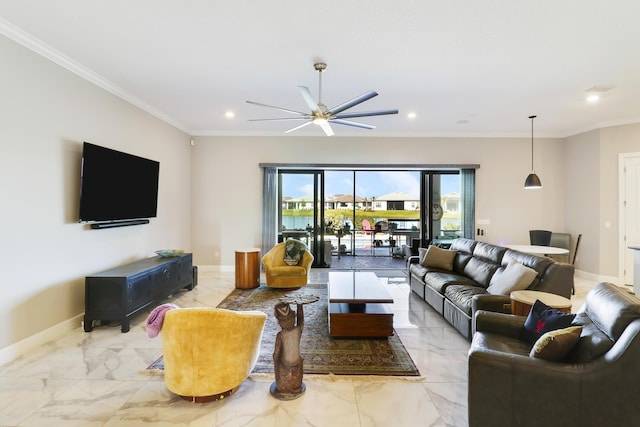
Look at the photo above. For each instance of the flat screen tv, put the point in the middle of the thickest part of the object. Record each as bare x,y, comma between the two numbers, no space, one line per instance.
117,186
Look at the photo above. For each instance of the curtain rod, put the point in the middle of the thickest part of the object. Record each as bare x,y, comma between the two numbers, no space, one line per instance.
384,166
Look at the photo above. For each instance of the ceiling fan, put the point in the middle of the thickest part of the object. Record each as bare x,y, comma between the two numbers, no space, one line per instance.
323,116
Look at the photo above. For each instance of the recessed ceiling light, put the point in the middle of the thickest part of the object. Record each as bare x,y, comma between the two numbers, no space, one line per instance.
593,94
411,115
229,114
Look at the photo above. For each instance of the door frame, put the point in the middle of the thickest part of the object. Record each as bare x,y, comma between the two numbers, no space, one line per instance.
622,220
316,244
428,198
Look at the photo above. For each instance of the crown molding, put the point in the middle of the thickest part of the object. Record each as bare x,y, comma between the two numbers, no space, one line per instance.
603,125
36,45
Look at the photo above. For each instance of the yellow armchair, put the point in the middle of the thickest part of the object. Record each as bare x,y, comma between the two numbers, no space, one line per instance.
281,275
209,352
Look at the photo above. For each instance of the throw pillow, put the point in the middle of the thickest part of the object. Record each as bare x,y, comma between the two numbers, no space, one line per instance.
515,277
439,258
542,319
555,345
422,253
294,251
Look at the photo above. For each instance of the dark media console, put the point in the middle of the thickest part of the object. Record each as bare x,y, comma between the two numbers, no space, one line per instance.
122,292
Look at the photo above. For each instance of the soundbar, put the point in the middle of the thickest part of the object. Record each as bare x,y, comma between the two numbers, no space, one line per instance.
101,225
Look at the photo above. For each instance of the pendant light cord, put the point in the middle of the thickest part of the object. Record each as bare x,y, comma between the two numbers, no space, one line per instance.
532,117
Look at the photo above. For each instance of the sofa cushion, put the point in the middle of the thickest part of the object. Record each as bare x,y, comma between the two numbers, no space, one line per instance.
513,278
611,309
593,343
480,271
538,263
489,253
542,319
462,295
604,316
460,262
555,345
422,252
439,258
440,280
288,270
500,343
463,245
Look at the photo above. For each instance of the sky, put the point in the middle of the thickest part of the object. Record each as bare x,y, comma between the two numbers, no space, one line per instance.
368,183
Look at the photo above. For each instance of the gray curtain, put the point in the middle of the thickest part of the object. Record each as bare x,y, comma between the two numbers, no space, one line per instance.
269,208
468,202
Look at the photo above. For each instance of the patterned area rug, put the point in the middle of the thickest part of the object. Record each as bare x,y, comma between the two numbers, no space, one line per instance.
322,354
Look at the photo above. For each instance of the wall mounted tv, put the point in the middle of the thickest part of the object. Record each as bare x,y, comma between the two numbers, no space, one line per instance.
117,188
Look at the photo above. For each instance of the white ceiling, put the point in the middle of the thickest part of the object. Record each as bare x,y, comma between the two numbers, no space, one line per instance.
464,67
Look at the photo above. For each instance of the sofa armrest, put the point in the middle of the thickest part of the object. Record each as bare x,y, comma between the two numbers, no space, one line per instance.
518,384
413,259
498,323
490,302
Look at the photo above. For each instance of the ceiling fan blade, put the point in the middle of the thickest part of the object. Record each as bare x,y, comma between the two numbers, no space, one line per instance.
280,119
308,99
277,108
325,127
365,114
299,127
353,102
354,124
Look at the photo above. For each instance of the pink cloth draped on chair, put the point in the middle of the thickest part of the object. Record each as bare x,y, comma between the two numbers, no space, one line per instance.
369,231
366,227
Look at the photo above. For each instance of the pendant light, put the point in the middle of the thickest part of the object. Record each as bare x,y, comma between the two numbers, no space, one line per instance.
532,180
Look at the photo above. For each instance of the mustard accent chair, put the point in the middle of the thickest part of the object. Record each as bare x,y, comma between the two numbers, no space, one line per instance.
209,352
281,275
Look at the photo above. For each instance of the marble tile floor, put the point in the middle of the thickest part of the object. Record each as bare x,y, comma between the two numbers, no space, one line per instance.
99,378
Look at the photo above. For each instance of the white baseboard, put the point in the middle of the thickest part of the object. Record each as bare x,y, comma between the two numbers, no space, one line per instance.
223,268
596,278
227,268
24,346
20,348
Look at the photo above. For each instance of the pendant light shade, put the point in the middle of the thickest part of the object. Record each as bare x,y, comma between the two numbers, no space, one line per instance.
532,180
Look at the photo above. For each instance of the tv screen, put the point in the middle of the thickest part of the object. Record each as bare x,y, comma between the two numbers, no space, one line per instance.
117,186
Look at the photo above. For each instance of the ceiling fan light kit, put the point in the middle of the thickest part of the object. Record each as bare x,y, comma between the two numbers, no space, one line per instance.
321,115
532,181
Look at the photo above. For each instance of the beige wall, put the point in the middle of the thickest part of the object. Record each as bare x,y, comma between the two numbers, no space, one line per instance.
613,141
210,198
592,207
46,113
582,212
579,176
227,182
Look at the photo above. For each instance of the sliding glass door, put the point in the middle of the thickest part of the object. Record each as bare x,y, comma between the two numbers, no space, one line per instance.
392,210
442,207
347,212
371,212
300,211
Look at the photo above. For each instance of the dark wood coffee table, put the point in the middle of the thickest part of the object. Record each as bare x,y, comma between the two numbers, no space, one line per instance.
359,306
